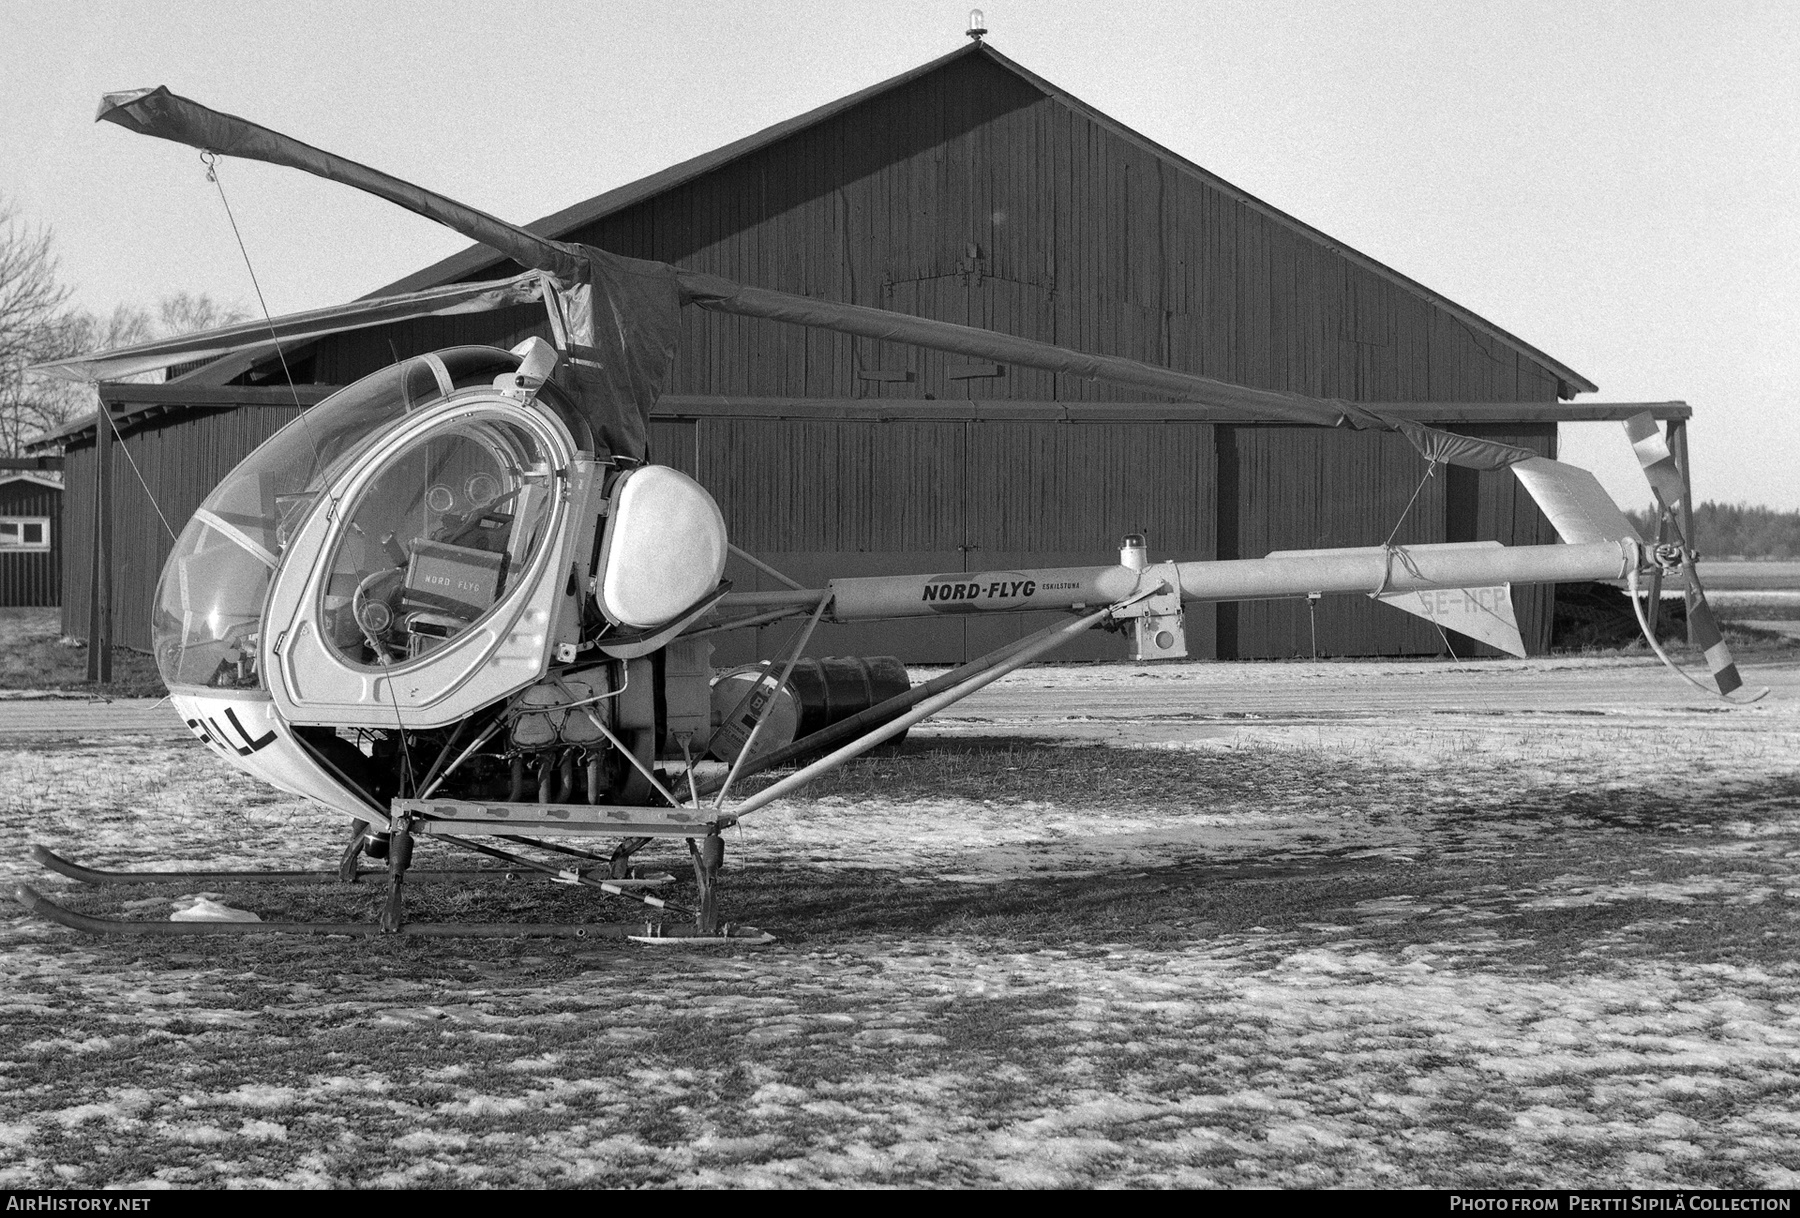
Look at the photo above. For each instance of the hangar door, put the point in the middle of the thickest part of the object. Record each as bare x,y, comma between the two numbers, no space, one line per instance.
829,498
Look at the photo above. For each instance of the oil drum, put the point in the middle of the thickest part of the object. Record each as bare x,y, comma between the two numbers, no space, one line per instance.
818,694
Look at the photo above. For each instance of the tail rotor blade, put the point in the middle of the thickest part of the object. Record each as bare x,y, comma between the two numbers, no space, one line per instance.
1705,632
1654,457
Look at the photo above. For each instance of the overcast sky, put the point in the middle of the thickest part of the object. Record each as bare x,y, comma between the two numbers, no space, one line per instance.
1618,184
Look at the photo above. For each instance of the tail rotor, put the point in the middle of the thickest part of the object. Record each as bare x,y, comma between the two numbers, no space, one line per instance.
1669,489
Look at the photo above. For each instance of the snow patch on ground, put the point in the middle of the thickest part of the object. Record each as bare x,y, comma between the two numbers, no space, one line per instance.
1394,1033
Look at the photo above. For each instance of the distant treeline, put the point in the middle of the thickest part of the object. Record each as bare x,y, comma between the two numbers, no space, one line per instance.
1737,530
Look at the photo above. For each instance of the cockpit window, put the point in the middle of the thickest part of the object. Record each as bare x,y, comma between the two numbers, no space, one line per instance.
208,605
435,540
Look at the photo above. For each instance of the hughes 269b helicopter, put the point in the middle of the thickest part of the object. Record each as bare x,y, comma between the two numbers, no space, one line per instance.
455,600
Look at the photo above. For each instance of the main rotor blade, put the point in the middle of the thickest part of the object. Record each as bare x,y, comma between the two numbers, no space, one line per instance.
722,295
617,317
445,301
168,116
161,113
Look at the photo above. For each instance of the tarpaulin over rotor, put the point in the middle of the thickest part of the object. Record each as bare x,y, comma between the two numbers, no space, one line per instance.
448,301
620,325
618,316
711,292
1448,448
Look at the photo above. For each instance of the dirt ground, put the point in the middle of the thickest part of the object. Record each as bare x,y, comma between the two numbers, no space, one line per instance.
35,656
1380,924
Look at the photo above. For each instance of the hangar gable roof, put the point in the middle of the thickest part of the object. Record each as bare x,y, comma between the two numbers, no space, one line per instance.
479,259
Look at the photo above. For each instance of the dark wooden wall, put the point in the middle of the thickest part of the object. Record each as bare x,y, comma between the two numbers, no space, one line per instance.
182,457
824,499
32,577
1305,489
833,498
970,196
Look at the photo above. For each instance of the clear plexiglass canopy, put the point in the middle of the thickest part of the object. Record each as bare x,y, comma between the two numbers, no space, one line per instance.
209,604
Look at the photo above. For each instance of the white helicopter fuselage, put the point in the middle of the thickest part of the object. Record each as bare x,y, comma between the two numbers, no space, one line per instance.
408,577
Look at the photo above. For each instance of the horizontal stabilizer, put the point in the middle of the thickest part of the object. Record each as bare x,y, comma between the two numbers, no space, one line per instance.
1575,502
1484,614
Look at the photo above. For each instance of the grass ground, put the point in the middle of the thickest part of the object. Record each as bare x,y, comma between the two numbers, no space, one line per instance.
1429,949
34,657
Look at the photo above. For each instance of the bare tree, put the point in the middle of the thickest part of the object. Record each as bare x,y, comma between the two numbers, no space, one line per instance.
32,297
42,404
36,325
189,313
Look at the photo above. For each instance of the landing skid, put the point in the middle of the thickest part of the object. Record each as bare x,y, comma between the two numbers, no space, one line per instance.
705,929
45,908
47,858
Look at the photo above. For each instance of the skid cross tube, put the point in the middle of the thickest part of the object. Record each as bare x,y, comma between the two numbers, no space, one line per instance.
563,875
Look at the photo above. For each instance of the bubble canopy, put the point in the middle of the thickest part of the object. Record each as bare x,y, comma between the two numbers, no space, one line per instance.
210,601
435,540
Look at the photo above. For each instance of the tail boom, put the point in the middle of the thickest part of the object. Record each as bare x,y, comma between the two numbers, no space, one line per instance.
1371,571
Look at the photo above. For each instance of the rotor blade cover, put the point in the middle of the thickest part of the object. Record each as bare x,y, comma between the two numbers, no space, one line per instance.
620,317
722,295
166,115
293,328
1449,448
631,315
621,328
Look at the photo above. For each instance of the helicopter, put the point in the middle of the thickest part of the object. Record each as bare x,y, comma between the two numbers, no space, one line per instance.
456,600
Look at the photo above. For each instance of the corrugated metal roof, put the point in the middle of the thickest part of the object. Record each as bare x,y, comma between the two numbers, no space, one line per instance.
57,440
478,259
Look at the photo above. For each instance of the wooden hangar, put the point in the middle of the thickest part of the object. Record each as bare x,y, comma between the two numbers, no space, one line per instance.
967,190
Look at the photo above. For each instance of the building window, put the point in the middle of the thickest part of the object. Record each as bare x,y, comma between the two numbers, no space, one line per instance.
24,532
